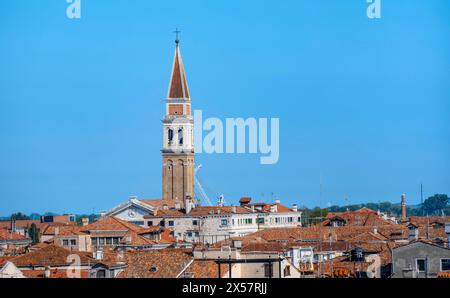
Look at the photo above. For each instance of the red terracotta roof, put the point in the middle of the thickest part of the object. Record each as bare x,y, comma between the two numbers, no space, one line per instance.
54,273
205,269
163,263
6,224
111,223
50,255
361,217
5,235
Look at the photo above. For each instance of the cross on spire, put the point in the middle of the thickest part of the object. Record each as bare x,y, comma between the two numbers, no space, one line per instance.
177,40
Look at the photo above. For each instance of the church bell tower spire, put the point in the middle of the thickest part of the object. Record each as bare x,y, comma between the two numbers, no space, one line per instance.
178,136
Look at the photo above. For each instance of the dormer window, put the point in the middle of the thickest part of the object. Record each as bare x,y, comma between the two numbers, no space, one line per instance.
153,269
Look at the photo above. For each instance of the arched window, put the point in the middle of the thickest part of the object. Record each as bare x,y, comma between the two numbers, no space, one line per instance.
170,135
180,136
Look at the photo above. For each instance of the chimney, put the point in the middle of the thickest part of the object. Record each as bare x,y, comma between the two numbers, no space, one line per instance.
56,231
233,209
294,207
177,205
13,225
375,231
47,272
413,233
165,207
188,204
403,218
102,213
277,201
84,221
273,208
253,208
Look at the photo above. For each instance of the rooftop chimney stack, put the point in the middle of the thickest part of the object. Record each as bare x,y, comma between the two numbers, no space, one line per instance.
294,207
84,221
188,204
403,218
13,225
177,205
47,272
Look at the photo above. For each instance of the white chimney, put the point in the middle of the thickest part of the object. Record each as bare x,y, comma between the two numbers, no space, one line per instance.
85,221
294,207
56,231
375,231
188,204
253,208
165,207
177,205
277,201
233,209
47,272
273,208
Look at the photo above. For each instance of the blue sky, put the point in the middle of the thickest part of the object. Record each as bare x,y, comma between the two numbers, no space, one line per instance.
364,105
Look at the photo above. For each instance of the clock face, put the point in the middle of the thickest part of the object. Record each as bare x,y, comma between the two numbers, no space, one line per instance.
131,213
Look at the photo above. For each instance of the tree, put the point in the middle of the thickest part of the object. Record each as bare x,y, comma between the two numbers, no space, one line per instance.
436,203
33,233
19,216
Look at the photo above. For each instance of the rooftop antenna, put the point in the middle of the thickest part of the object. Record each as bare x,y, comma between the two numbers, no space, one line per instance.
177,32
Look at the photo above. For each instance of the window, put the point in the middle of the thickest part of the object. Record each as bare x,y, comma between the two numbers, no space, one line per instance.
180,136
189,234
194,222
445,264
116,240
224,222
108,241
421,265
150,223
101,241
170,135
260,220
267,270
94,241
65,242
73,242
101,273
170,223
287,270
161,223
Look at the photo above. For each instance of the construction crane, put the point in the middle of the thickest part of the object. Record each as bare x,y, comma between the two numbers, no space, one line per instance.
203,195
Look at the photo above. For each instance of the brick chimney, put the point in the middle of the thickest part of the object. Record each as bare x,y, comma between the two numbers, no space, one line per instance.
403,218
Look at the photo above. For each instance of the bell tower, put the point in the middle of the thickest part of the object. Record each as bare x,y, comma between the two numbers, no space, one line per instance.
178,135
